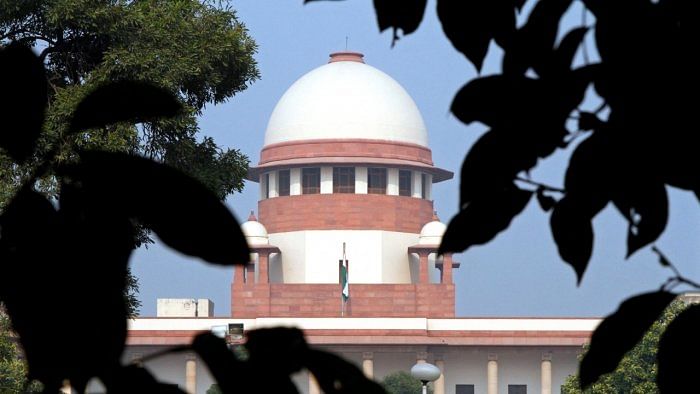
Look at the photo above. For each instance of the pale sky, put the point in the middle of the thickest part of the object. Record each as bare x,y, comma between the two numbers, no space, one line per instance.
517,274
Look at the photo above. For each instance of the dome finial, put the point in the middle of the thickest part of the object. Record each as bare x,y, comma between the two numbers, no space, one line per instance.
346,56
251,217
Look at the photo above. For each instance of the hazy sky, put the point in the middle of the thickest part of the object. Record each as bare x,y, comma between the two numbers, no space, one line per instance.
517,274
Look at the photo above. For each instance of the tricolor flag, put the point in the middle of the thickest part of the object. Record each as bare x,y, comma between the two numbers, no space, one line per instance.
344,280
344,287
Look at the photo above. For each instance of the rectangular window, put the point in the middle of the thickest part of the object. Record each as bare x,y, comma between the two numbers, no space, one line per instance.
404,183
343,179
267,185
517,389
464,389
283,182
310,180
423,186
376,180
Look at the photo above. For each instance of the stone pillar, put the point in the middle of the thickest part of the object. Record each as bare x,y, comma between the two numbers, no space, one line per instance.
313,385
191,375
546,373
446,268
263,259
492,375
238,275
368,364
250,272
421,357
423,267
439,385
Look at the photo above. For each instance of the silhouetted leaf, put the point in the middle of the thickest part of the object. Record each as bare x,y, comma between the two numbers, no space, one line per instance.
483,218
573,233
645,205
592,174
546,202
123,101
534,42
23,100
231,375
337,376
564,54
132,378
618,333
181,211
678,347
491,164
470,25
588,121
282,349
497,101
399,14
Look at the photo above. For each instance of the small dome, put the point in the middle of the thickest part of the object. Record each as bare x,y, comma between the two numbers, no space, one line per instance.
254,232
346,99
431,233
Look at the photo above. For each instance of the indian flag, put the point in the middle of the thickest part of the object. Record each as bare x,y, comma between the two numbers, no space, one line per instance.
344,281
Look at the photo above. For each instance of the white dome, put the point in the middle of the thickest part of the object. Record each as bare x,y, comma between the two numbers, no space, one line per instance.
431,233
346,98
255,233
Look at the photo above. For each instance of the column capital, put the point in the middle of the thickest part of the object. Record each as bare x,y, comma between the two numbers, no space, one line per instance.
422,356
190,357
547,356
367,355
493,357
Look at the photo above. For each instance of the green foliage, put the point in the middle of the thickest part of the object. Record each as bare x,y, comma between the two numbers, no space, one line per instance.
197,50
636,373
13,371
214,389
401,382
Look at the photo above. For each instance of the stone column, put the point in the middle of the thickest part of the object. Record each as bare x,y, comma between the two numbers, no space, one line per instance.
368,364
313,385
423,267
421,357
191,375
439,385
492,375
447,268
263,259
546,373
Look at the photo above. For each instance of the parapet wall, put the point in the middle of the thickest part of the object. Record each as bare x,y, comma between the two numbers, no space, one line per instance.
431,300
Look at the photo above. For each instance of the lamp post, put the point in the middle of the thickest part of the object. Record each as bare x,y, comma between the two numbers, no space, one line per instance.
425,373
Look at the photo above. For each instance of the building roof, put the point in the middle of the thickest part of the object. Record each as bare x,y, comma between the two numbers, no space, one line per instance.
346,98
384,331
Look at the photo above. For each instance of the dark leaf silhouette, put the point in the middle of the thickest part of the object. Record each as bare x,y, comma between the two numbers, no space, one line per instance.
619,332
23,100
677,348
124,101
588,121
504,159
483,218
181,211
534,42
573,233
471,25
399,14
563,56
232,375
645,205
131,378
546,202
337,376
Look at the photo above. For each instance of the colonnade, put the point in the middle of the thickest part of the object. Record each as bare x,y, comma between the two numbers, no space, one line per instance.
439,386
